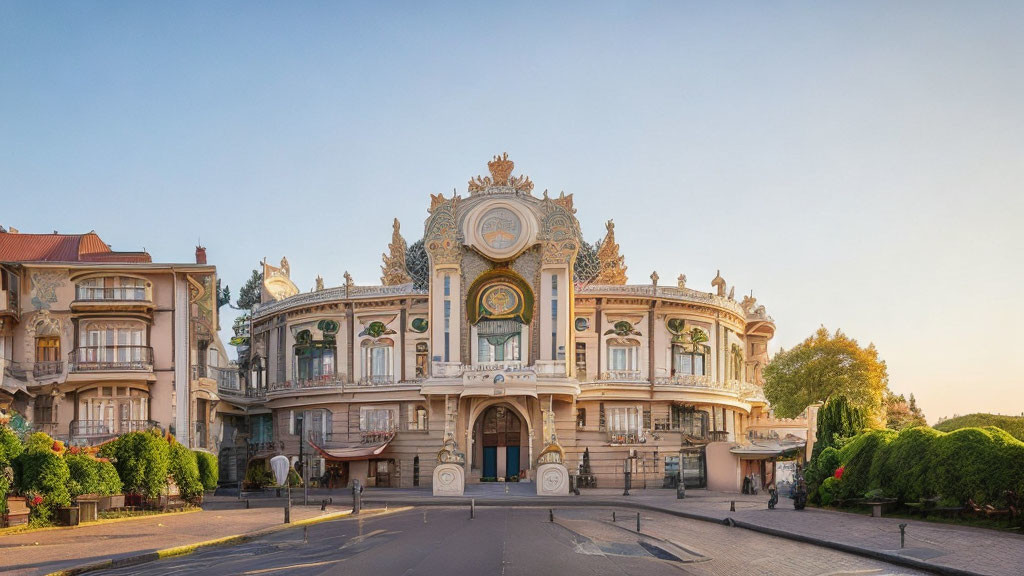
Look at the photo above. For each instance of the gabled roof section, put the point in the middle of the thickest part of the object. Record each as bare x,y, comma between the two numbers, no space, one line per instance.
18,247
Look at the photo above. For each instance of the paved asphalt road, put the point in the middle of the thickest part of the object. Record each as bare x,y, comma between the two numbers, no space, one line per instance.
517,541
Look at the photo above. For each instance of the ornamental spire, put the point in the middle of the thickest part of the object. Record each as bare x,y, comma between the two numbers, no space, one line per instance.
394,263
613,266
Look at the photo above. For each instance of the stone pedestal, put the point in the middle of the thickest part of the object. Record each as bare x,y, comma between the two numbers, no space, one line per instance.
449,480
552,480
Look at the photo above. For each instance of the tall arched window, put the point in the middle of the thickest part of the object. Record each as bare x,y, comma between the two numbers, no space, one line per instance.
377,361
314,359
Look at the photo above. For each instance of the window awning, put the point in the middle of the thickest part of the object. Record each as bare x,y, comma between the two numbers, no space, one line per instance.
351,452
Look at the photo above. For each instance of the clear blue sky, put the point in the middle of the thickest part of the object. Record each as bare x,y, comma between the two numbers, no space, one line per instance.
858,165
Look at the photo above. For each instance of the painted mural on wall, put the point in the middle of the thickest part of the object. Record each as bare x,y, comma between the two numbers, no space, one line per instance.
202,304
44,288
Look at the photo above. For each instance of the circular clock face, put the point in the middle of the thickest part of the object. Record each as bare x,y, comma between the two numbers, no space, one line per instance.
582,324
500,228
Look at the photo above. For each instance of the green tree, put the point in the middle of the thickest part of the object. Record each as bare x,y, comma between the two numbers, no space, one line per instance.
223,295
838,420
417,264
822,367
249,295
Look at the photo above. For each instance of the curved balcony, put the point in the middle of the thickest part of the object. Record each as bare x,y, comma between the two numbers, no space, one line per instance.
111,359
91,429
41,370
330,383
135,298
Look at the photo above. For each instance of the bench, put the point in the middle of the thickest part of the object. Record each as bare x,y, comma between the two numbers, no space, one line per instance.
877,505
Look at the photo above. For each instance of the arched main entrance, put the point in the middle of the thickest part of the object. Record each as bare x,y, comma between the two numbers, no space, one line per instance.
501,438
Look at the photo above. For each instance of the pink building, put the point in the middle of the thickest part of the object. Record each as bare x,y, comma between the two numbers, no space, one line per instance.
96,342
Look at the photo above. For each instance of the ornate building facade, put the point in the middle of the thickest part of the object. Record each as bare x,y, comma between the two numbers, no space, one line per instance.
500,335
95,343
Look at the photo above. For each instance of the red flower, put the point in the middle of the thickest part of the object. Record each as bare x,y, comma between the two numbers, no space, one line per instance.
37,501
839,473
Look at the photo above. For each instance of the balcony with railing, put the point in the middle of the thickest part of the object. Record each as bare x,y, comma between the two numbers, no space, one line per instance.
331,382
111,359
113,298
41,370
623,376
377,380
9,304
86,429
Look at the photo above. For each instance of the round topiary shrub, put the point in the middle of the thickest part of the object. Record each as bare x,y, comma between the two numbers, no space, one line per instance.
141,460
43,474
85,475
110,483
209,473
185,471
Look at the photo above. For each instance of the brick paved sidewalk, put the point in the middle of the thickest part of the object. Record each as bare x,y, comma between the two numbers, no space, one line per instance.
971,550
46,551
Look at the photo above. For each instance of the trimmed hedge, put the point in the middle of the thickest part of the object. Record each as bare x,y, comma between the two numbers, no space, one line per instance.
91,476
209,473
41,471
10,448
185,471
970,463
141,460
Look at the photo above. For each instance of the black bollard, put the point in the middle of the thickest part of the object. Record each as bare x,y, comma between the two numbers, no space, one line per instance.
903,535
551,515
638,522
732,506
613,515
472,508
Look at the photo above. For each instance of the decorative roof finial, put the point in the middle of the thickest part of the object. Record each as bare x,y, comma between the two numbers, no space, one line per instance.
613,267
394,263
719,283
654,278
501,170
681,281
319,283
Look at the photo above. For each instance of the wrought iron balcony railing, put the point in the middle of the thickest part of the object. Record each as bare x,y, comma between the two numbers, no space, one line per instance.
95,428
111,359
377,380
44,369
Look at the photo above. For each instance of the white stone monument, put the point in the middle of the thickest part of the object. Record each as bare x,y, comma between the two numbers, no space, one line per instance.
552,480
449,479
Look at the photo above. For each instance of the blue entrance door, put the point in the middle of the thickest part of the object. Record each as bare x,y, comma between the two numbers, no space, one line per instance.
511,461
490,461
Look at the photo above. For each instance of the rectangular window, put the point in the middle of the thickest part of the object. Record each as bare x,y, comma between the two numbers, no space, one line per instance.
623,420
447,285
686,363
622,358
376,419
507,351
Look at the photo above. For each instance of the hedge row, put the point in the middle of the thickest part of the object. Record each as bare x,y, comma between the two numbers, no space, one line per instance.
49,475
971,463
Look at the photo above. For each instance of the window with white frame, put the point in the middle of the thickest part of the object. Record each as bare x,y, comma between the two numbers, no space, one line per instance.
686,362
623,419
377,361
376,419
623,355
111,342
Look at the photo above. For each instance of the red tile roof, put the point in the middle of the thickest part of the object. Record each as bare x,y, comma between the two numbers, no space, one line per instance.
17,247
